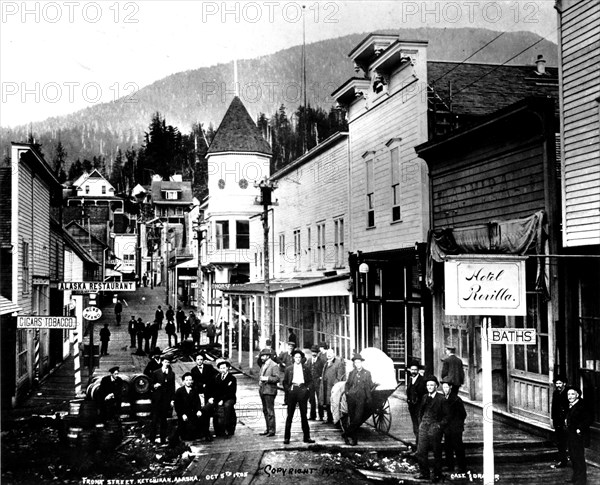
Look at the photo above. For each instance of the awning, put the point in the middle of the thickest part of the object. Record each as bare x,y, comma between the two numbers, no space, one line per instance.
192,263
7,306
288,286
113,273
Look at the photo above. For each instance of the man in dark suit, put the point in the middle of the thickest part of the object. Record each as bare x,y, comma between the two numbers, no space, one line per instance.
285,359
188,409
358,397
154,362
163,396
578,423
452,369
433,419
267,389
159,316
132,331
334,371
415,390
297,382
315,370
560,405
224,394
110,395
453,434
204,375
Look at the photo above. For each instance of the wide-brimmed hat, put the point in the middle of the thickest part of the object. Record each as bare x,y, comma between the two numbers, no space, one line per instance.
113,369
325,345
266,351
166,357
314,348
446,380
432,379
222,361
298,351
451,348
357,357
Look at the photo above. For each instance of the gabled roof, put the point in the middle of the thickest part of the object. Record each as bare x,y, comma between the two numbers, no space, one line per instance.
84,230
94,176
185,188
238,133
78,248
481,89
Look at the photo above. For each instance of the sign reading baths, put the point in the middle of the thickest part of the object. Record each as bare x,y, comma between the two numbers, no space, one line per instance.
95,286
63,323
485,286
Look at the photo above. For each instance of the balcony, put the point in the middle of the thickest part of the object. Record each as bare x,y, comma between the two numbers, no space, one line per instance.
179,255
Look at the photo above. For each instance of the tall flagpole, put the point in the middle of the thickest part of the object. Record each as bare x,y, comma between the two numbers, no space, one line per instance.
305,134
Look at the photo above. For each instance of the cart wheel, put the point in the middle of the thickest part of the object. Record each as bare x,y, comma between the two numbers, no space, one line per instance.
382,417
343,412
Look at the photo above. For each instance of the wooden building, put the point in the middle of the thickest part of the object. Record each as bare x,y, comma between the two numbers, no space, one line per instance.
579,43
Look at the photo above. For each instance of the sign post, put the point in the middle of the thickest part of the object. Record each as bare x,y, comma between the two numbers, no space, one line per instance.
486,285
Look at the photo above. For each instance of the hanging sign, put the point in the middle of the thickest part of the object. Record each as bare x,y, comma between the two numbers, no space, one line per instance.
485,286
95,286
92,313
62,323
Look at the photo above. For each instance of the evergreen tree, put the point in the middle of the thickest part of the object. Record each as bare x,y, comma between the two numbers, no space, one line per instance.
58,163
116,177
75,170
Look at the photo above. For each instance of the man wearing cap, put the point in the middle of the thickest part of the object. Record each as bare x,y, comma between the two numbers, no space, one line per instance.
453,433
154,362
433,419
267,389
415,390
578,423
131,330
334,371
358,397
560,406
163,396
297,381
188,409
110,395
453,370
315,371
224,394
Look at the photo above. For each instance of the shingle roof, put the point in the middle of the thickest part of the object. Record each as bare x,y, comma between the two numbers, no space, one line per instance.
238,132
158,186
481,89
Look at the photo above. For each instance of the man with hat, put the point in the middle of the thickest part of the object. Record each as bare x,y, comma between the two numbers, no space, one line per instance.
140,330
453,433
560,406
163,396
453,370
315,367
267,388
297,381
334,371
433,419
189,410
578,423
154,362
110,395
203,376
358,397
224,394
415,390
285,360
131,331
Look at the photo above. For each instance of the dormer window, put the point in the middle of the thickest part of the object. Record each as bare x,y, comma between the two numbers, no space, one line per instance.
171,194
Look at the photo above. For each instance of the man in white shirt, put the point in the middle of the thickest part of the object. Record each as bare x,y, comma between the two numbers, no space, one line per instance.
297,381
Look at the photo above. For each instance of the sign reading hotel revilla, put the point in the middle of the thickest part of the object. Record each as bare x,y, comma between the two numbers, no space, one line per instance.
95,286
62,323
485,286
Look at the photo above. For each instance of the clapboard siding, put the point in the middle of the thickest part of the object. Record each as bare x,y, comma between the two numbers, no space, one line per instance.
41,228
25,227
580,57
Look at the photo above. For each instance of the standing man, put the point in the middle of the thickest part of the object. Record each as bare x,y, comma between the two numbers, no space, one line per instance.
453,370
285,360
453,433
297,382
415,390
188,409
118,311
211,332
334,371
110,395
433,419
560,406
145,279
154,334
131,330
204,376
170,331
104,339
196,329
225,389
267,389
140,331
578,423
358,397
292,337
163,396
180,319
159,316
170,315
313,364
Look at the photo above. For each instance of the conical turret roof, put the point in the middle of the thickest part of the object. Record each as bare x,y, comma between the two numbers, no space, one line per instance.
238,132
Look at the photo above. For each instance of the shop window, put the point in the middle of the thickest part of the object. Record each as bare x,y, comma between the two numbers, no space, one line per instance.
297,250
242,238
321,245
308,247
534,358
370,192
25,267
338,242
395,169
222,233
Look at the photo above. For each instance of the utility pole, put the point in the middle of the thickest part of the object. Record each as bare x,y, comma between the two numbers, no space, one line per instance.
199,239
266,190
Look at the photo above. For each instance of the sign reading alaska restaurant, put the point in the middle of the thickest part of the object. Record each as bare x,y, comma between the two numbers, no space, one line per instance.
96,286
485,286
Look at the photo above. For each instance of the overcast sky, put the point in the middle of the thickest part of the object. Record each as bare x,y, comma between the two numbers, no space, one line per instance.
57,57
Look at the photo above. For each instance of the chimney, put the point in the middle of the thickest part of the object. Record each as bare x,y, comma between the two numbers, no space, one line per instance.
540,64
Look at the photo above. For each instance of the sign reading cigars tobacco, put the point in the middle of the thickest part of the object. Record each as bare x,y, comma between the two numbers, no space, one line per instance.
62,323
95,286
485,286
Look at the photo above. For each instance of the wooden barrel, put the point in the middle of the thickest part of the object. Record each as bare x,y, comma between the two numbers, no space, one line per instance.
126,410
140,384
73,434
125,386
74,406
93,390
142,408
110,436
88,413
86,439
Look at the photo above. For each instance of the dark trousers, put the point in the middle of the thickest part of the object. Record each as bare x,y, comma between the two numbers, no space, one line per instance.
577,454
413,409
118,318
356,411
268,405
320,408
453,445
228,415
109,410
561,437
298,395
104,347
430,437
159,419
132,337
140,342
211,339
312,399
174,335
